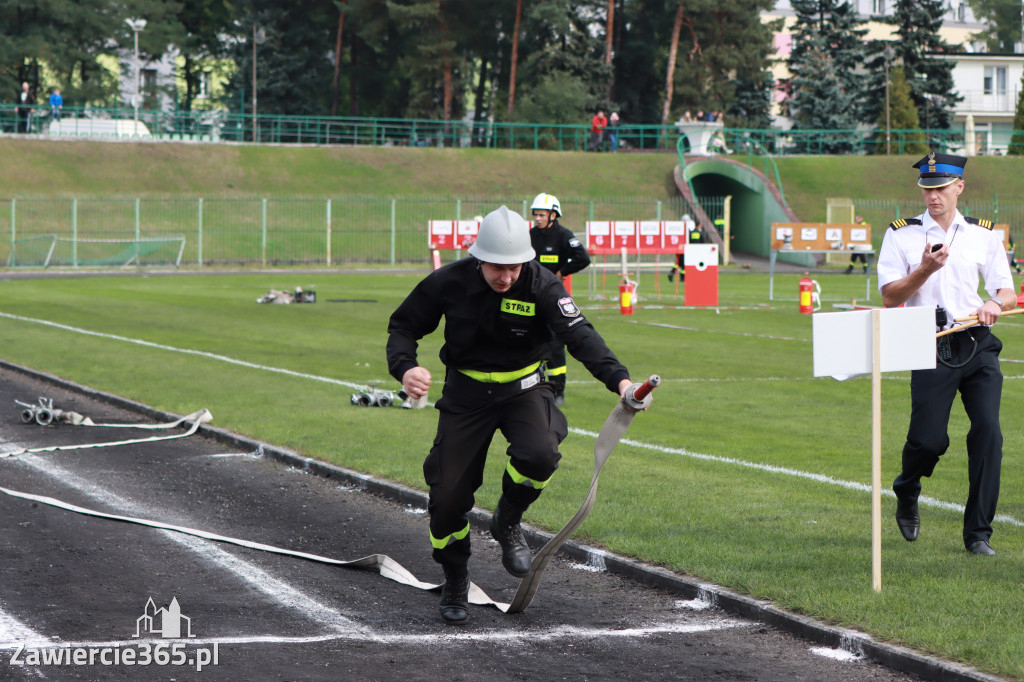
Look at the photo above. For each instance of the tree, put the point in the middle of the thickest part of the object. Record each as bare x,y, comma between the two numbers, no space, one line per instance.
71,37
1016,147
919,50
562,41
830,27
204,22
670,71
515,58
819,99
293,66
1004,23
902,117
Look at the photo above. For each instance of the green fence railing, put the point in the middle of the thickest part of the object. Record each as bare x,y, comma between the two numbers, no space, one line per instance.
271,231
222,125
335,231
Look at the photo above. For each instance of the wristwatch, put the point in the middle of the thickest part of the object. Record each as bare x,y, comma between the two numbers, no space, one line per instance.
998,301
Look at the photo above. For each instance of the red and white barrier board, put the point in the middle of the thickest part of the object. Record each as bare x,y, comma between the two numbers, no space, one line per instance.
446,235
638,236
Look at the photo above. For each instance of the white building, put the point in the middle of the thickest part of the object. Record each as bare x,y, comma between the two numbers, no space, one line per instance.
989,83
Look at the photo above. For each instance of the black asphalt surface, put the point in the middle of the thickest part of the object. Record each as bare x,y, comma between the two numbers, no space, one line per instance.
76,585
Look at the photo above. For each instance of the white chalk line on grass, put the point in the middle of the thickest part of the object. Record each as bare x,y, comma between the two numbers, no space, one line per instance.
786,471
820,478
174,349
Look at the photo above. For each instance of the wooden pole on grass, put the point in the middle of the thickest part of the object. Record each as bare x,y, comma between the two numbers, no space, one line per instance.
876,450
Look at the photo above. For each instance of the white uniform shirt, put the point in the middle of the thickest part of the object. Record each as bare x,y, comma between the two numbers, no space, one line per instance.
973,251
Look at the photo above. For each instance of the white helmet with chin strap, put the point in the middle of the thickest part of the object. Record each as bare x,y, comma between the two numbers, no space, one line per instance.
504,239
547,202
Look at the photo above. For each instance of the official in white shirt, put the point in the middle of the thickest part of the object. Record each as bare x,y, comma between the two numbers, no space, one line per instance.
938,259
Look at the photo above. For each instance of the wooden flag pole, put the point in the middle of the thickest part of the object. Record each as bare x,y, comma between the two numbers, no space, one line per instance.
876,450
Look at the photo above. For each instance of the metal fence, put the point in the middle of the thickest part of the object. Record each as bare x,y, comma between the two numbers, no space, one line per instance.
337,231
261,231
223,125
880,212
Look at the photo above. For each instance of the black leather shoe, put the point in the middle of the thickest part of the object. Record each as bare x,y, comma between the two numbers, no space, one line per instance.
455,598
908,519
505,528
981,547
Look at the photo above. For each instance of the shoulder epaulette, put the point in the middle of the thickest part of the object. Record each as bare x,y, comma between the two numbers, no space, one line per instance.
982,222
900,222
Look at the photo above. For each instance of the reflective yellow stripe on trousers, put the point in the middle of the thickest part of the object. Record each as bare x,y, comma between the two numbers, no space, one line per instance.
448,539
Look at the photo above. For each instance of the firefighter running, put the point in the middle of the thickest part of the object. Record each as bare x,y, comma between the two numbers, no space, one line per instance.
502,310
561,252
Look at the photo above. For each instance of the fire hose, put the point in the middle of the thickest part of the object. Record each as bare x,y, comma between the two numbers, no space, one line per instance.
638,397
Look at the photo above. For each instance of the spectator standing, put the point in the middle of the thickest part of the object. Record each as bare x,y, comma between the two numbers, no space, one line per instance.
56,104
597,126
26,100
613,131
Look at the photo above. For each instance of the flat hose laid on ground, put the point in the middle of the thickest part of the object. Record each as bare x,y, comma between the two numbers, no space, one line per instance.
637,398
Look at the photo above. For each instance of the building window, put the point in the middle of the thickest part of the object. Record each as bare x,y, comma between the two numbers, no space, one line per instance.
204,84
878,7
149,81
961,12
995,80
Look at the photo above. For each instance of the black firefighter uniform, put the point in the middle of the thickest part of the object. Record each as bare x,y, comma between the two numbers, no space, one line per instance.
493,347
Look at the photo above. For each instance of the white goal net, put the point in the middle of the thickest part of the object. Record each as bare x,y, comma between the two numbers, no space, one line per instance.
48,250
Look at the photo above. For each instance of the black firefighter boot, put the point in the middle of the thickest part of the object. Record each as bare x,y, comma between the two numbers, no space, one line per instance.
505,528
455,596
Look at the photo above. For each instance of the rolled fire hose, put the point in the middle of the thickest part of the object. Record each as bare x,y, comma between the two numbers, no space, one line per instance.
638,397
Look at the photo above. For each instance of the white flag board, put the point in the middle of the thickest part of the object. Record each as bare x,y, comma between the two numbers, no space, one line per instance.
843,343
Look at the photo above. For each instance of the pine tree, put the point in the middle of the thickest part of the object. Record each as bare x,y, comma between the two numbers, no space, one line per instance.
819,99
919,51
1016,147
902,117
828,27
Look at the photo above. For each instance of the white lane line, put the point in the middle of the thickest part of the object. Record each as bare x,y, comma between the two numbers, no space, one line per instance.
852,485
253,576
13,631
502,636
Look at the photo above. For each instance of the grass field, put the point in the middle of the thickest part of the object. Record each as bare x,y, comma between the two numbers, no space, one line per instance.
746,471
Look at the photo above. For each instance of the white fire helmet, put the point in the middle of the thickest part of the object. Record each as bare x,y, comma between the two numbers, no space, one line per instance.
504,239
547,202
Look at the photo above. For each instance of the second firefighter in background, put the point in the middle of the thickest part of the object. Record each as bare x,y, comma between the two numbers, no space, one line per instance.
561,252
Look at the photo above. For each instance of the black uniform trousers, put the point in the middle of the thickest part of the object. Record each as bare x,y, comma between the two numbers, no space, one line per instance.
470,414
932,391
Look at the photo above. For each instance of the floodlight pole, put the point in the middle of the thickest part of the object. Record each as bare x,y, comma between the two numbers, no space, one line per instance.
888,54
137,25
258,36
